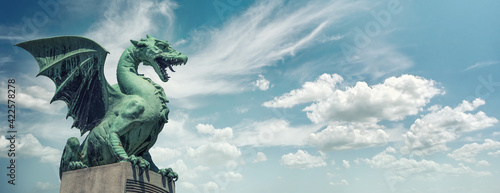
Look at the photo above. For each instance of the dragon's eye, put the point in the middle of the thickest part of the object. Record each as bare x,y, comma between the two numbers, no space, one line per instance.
162,47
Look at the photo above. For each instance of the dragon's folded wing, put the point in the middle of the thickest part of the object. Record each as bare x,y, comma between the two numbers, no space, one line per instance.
75,64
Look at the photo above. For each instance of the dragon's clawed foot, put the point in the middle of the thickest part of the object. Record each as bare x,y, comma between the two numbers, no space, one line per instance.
169,173
74,165
138,161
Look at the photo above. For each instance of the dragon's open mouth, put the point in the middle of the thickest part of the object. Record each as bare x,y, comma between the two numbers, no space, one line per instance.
168,63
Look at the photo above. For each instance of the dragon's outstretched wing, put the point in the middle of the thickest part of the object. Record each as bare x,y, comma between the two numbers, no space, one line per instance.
75,64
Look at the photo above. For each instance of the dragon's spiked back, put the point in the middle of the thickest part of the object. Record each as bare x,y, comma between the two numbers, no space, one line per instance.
75,64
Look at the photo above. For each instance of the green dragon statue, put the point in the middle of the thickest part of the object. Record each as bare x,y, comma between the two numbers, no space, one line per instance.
123,120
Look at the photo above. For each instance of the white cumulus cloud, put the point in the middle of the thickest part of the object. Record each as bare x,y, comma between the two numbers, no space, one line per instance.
210,187
217,134
187,186
346,164
483,163
273,132
468,152
349,136
35,98
404,168
214,153
430,133
231,176
162,154
187,173
497,153
260,157
394,99
342,182
302,160
262,83
320,89
28,146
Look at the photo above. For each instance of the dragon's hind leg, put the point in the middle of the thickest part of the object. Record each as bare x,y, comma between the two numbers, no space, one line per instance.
70,159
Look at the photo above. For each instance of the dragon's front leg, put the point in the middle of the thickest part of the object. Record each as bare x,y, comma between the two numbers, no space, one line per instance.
129,114
122,156
167,172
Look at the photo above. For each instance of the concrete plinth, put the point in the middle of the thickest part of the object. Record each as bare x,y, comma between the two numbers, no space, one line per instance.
118,177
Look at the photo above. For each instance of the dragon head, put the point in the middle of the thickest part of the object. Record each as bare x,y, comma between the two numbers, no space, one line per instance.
158,54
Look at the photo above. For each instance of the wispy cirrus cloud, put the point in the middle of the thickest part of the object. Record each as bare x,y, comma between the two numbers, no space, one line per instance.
17,38
222,58
133,20
5,59
14,34
113,30
378,59
481,64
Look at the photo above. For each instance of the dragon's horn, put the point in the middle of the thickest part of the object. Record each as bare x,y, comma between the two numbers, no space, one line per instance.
135,42
148,36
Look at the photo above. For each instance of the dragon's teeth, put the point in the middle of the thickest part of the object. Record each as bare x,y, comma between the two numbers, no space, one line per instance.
171,68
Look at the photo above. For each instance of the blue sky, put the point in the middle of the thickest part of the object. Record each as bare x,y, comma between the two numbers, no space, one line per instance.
284,96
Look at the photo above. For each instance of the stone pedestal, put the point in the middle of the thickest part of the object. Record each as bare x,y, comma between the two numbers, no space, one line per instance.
118,177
